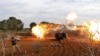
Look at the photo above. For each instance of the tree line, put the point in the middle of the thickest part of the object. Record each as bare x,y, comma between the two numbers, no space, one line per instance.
11,24
32,24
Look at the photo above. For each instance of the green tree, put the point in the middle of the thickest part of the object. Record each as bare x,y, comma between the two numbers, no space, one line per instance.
0,25
11,24
32,25
4,25
20,24
15,24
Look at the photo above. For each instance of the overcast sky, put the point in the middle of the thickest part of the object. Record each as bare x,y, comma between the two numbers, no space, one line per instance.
49,10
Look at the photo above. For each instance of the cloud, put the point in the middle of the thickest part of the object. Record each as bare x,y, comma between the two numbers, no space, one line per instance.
48,10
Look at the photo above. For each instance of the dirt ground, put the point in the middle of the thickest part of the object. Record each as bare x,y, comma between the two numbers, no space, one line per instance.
72,46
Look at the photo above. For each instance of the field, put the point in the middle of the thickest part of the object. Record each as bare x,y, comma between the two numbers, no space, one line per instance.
73,46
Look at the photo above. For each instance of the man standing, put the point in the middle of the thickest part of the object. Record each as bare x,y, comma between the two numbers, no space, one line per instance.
14,45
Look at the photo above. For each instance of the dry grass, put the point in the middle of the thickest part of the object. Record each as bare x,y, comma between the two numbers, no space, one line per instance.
73,46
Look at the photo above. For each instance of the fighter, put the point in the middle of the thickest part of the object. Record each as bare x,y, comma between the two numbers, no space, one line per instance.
14,44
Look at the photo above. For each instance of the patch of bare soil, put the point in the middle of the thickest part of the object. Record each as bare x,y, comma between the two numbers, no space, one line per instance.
72,46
